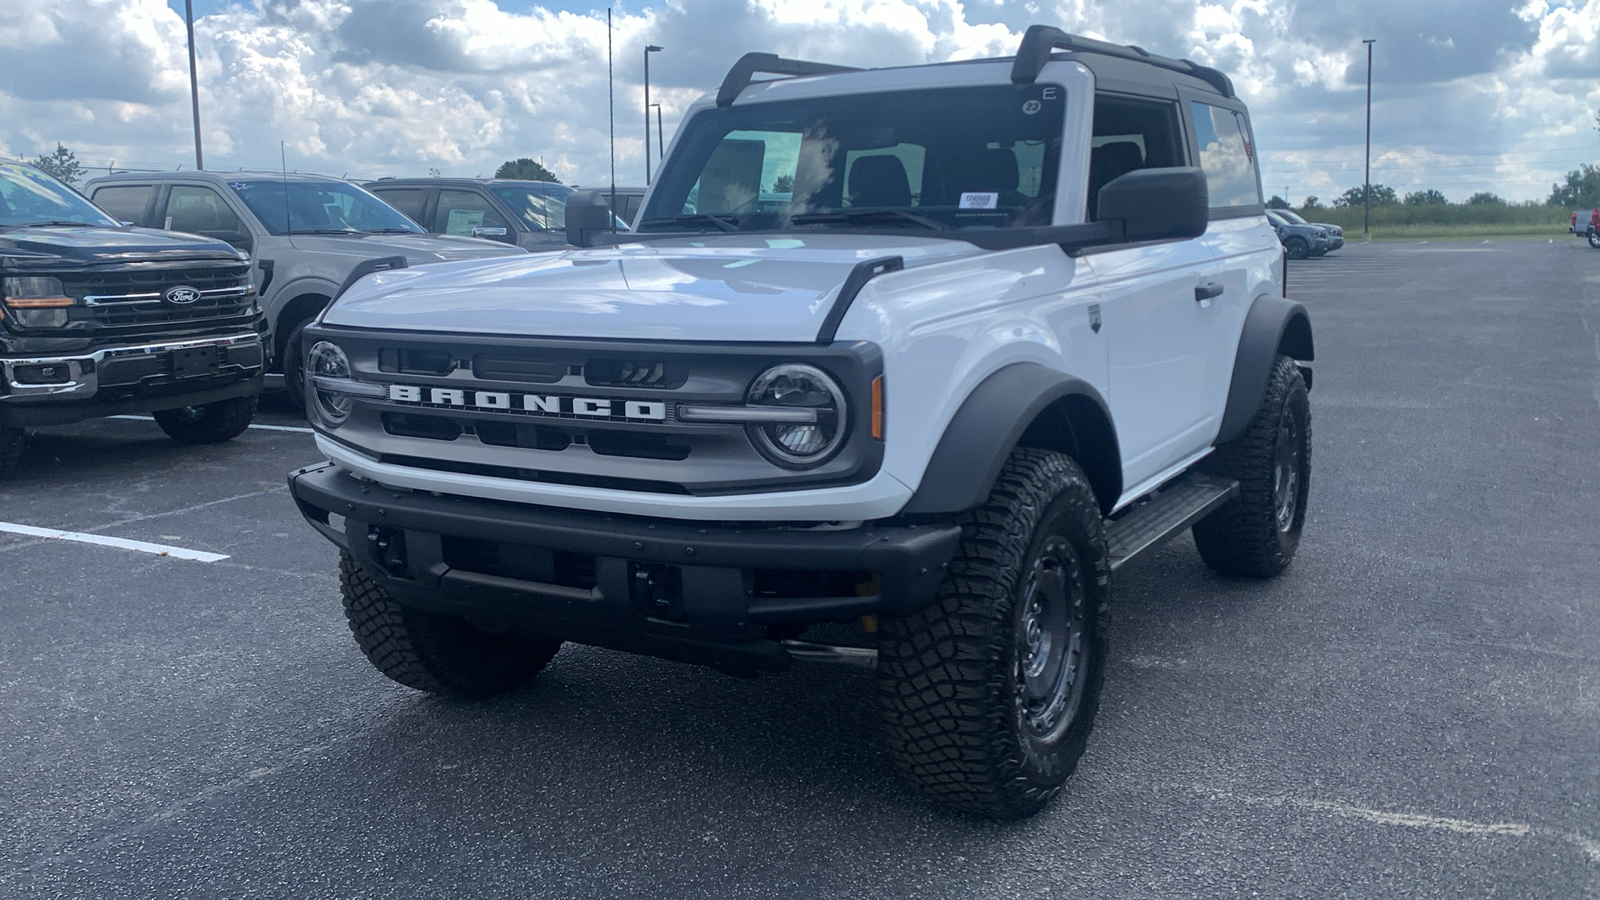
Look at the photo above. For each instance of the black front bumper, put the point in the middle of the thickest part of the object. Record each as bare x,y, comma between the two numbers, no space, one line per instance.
432,551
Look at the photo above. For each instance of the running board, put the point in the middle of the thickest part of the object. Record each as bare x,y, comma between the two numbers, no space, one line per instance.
1162,516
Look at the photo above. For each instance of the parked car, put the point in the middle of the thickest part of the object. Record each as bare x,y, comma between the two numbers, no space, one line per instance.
98,319
529,214
1018,323
1586,224
305,235
1300,241
628,199
1335,232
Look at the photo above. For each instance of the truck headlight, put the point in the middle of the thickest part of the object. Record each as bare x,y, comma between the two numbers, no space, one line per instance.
327,360
34,292
801,388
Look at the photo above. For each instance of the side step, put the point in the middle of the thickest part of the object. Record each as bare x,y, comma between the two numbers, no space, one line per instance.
1162,516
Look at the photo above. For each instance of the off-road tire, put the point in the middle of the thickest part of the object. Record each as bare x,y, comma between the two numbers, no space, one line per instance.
954,702
294,367
1594,239
429,651
11,441
1252,535
1297,248
212,423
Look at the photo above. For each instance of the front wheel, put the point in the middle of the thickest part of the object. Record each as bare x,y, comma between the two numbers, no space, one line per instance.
294,369
11,441
989,693
1297,248
1257,532
211,423
433,652
1594,239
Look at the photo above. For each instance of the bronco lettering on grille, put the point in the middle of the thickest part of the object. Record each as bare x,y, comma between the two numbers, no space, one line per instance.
537,404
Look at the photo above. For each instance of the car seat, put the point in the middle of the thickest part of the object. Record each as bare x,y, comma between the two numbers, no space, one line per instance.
878,181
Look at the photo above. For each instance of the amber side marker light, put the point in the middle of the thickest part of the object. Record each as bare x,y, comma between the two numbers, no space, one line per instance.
37,302
877,407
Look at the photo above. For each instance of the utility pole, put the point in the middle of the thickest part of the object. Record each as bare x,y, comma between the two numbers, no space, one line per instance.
194,83
649,49
1366,185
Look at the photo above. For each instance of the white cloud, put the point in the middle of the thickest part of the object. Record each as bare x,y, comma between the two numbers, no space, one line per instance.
1469,95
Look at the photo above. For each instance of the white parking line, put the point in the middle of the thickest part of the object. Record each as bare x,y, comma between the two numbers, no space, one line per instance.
261,427
118,543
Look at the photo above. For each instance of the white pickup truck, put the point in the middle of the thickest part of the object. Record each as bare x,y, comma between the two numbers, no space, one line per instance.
924,355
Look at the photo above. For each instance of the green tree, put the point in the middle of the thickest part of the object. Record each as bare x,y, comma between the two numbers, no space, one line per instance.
1312,202
1382,195
1429,197
63,164
1581,190
784,184
527,169
1485,198
1277,203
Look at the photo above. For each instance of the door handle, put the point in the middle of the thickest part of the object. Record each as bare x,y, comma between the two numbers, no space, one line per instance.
1207,290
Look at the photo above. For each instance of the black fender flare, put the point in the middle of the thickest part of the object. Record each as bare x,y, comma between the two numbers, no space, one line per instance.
1274,325
999,413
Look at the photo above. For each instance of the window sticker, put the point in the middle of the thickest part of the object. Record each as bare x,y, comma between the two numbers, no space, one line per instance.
979,200
462,221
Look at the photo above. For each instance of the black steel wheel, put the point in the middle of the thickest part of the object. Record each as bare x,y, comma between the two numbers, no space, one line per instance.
1257,533
989,693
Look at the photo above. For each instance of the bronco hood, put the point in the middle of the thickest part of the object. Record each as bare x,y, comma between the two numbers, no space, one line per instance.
704,287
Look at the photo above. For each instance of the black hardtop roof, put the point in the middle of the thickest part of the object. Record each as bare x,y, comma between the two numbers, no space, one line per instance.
1116,67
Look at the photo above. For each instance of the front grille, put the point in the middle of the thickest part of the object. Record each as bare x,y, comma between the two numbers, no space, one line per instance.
133,296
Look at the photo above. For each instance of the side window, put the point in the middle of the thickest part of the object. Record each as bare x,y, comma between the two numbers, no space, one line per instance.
125,203
199,210
407,200
1226,156
459,212
1129,134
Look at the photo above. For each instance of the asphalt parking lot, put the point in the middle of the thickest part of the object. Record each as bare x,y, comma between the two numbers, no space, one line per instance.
1412,711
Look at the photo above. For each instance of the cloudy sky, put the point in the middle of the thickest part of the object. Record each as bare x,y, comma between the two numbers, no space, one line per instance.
1468,95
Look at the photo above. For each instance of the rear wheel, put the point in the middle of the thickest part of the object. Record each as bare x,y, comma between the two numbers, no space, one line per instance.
1256,533
1594,239
429,651
211,423
989,693
11,441
1297,248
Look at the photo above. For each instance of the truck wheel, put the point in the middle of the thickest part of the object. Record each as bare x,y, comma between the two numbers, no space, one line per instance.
212,423
1594,239
989,693
440,654
1256,533
1297,248
294,371
11,440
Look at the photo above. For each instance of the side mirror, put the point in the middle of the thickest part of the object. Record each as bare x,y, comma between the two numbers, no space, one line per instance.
588,214
1158,204
492,232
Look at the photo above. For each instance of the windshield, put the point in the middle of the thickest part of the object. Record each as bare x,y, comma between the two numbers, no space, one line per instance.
888,160
542,206
1292,217
319,207
30,197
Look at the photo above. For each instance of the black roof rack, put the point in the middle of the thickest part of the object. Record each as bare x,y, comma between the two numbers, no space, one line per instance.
1041,40
740,75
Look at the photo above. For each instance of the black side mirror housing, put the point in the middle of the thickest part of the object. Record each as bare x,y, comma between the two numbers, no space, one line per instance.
1168,204
588,214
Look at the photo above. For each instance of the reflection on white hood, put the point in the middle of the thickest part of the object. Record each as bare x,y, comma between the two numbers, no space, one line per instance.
713,287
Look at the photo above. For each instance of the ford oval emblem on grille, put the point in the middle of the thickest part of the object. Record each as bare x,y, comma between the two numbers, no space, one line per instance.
182,295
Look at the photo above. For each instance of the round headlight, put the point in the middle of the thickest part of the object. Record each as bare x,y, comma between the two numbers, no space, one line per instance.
804,389
327,360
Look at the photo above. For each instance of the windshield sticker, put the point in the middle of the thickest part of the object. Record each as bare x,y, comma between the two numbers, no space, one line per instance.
1031,107
979,200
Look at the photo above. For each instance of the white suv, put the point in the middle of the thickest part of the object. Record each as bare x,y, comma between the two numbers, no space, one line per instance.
898,368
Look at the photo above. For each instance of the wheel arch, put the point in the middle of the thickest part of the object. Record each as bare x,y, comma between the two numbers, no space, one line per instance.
301,308
1020,405
1273,326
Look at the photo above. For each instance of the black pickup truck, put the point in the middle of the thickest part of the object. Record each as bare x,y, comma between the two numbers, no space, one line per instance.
98,319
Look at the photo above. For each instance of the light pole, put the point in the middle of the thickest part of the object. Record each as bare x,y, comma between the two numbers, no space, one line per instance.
1366,185
649,49
194,83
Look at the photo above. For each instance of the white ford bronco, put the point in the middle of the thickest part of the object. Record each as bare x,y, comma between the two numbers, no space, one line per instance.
898,367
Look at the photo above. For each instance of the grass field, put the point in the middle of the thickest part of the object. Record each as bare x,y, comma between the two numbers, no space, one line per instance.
1460,233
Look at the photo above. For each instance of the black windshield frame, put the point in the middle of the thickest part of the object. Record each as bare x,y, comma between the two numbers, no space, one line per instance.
951,176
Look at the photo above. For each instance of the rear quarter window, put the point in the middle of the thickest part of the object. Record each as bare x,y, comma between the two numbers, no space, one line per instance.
1226,156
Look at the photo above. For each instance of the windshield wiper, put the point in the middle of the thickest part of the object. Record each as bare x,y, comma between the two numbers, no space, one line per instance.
390,231
54,223
853,215
325,231
721,222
